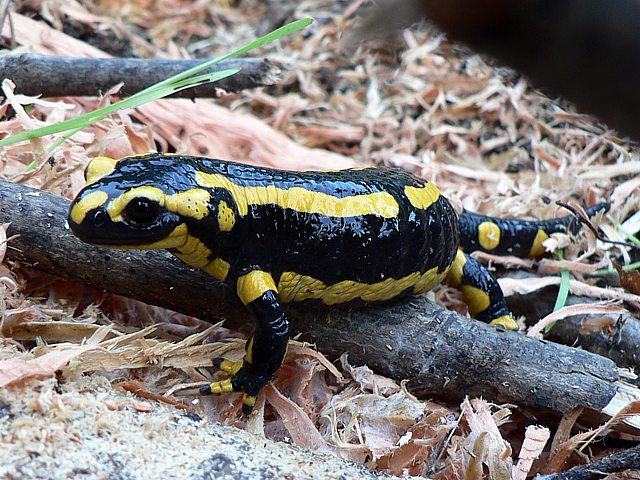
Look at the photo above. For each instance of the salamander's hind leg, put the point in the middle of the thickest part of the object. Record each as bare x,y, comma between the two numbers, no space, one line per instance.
265,350
480,290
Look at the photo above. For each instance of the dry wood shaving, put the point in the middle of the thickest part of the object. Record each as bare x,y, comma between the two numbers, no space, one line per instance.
492,144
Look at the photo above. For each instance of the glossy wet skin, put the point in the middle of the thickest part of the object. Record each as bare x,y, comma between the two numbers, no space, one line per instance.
332,227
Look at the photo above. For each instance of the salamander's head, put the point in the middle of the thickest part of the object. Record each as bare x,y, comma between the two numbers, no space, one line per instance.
142,202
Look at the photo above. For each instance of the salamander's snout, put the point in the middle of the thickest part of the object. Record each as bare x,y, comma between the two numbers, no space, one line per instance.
136,218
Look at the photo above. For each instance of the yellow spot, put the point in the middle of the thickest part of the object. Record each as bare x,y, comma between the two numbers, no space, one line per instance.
537,249
99,167
252,285
294,287
218,268
422,197
507,321
86,204
117,205
303,200
226,217
476,299
488,235
193,203
454,275
249,400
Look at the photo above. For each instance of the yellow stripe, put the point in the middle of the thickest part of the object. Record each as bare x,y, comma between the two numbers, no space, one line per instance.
294,287
176,239
454,276
193,252
192,203
253,285
99,167
422,197
118,204
477,300
86,204
303,200
537,249
223,386
230,367
488,235
507,321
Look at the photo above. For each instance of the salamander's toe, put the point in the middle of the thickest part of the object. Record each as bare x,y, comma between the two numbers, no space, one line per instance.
243,380
227,366
507,321
216,388
248,401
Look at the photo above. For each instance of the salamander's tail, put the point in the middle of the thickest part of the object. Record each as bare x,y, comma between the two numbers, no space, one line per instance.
521,238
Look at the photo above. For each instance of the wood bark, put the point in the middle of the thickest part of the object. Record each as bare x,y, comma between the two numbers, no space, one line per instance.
618,462
618,340
588,51
441,353
52,76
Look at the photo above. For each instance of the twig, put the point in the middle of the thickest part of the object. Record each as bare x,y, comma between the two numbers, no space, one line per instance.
139,390
587,223
66,76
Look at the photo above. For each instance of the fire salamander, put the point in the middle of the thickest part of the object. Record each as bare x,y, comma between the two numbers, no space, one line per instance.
356,236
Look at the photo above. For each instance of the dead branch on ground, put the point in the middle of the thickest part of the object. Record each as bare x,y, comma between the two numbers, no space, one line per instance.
52,76
439,351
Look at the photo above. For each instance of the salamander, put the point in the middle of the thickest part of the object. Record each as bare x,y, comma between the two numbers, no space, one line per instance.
351,237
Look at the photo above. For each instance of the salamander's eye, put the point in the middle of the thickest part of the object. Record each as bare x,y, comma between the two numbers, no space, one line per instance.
141,212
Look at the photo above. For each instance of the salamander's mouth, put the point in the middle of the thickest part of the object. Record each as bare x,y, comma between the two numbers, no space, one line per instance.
98,228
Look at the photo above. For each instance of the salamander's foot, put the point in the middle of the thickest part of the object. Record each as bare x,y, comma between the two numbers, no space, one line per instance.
243,380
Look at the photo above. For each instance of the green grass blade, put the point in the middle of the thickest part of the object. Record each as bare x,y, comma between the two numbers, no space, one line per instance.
162,89
563,292
82,121
278,33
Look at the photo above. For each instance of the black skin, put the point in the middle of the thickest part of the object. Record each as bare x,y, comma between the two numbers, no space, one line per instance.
273,239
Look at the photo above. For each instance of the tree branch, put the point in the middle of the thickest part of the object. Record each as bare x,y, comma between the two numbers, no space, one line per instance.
441,353
614,336
51,76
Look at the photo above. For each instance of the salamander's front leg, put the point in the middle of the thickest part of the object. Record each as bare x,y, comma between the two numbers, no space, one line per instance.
265,350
